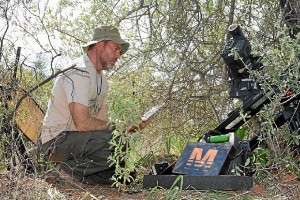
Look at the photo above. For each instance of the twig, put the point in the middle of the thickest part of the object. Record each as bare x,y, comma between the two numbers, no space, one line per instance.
14,77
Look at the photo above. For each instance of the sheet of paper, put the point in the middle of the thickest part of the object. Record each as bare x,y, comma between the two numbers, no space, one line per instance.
151,112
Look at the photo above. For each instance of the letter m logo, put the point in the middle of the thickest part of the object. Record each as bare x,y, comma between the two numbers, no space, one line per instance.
197,160
205,159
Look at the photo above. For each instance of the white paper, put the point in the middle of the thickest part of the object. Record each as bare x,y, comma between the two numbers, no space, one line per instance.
151,112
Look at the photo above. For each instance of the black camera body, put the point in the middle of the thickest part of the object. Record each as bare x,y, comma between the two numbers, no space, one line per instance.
237,56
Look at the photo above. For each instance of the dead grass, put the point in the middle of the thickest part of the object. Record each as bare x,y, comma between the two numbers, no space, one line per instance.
287,186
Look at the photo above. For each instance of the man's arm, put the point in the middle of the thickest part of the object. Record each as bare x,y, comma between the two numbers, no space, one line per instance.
83,121
142,125
102,114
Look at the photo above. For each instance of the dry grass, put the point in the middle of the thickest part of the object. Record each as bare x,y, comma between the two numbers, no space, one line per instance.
19,186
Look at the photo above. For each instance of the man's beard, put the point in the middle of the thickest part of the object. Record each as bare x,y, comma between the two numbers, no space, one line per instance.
106,66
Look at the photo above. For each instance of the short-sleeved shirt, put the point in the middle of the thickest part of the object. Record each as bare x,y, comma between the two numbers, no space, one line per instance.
82,85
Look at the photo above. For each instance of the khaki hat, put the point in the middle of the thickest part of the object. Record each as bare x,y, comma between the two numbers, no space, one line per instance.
104,33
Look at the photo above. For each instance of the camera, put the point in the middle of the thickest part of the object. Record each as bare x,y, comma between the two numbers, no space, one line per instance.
237,56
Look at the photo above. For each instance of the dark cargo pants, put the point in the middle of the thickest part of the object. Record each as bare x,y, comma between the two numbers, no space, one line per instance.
83,155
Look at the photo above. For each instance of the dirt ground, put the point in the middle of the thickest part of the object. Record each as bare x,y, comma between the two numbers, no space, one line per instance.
287,186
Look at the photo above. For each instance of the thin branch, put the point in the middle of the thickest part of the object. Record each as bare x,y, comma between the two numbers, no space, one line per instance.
4,33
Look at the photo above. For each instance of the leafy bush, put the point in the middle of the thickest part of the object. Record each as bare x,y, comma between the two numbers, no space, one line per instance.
281,68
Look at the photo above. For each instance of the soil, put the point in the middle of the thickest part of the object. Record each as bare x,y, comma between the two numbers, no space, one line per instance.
285,186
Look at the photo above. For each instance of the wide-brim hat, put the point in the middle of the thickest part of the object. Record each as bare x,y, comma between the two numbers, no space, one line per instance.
105,33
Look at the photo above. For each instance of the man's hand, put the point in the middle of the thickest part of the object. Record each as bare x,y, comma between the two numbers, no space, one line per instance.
141,126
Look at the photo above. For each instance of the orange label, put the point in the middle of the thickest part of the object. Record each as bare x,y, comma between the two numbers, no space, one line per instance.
197,160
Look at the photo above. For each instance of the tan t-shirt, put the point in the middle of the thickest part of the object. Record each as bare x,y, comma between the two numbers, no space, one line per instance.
83,85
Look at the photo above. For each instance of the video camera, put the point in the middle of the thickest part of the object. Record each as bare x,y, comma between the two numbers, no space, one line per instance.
237,56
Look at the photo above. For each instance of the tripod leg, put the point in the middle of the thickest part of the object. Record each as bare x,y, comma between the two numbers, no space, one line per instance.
23,156
15,151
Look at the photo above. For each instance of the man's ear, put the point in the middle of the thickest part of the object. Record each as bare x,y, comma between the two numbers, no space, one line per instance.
95,46
100,45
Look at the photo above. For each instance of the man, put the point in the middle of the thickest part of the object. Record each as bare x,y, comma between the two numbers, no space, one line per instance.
75,130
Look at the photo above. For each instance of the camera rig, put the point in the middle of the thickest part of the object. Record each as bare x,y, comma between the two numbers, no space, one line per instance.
214,161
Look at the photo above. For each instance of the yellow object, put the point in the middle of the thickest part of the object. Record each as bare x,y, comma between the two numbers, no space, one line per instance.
29,117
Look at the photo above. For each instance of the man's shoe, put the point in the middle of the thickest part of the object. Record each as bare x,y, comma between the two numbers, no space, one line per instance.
59,176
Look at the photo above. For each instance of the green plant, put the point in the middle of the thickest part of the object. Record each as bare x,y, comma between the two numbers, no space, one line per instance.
281,68
124,113
175,191
151,193
242,132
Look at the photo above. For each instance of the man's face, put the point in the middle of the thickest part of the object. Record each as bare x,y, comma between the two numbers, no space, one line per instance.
108,54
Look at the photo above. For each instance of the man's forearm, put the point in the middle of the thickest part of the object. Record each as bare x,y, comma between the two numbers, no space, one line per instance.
92,124
83,121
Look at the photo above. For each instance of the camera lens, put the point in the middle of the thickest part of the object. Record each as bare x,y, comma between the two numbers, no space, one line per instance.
232,27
